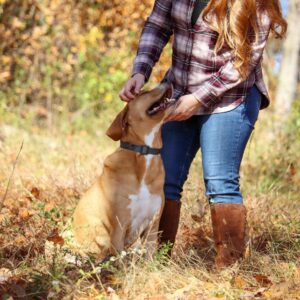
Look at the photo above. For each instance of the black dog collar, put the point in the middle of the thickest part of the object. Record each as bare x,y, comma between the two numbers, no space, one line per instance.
142,149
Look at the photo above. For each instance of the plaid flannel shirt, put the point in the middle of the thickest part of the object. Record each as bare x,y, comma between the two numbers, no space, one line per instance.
212,78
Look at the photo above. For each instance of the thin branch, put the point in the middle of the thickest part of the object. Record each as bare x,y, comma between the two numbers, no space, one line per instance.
10,177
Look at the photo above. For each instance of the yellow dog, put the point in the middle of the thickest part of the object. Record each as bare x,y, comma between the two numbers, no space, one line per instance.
126,201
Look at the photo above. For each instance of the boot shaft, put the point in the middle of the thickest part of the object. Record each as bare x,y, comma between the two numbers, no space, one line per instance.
169,222
229,230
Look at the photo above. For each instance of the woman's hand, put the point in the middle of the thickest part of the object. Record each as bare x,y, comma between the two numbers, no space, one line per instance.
185,107
132,87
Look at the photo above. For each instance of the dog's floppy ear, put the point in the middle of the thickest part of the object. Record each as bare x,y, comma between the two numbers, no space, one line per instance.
118,126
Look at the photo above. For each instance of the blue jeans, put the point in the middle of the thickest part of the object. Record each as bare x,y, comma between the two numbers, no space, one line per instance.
222,138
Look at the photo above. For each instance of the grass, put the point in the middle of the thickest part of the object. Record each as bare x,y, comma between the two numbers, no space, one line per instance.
56,166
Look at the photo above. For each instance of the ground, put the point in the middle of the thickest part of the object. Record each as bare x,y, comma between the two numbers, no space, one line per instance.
56,166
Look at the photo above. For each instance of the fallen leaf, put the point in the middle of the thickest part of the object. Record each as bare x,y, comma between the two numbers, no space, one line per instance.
55,237
20,240
292,170
35,192
25,214
239,282
262,279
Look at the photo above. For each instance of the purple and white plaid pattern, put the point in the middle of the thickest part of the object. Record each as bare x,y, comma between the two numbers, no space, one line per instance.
196,68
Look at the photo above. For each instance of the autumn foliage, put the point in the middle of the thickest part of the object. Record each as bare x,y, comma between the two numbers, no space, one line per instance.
65,54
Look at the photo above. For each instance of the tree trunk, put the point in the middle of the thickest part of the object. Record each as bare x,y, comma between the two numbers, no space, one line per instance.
288,77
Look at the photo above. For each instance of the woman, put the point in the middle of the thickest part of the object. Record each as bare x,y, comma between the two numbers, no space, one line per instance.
217,77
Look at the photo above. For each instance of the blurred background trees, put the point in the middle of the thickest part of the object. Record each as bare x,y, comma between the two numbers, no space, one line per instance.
289,75
70,58
65,55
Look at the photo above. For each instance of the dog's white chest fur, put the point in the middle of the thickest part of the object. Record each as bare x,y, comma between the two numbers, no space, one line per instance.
144,205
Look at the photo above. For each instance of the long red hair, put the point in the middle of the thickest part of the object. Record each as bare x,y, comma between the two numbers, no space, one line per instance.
235,19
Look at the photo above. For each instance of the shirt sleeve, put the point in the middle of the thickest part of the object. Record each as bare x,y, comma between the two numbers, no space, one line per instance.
228,77
154,37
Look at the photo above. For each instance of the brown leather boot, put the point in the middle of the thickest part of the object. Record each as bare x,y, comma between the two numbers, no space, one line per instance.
169,223
229,229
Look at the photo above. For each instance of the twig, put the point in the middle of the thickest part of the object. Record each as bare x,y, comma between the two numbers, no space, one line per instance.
10,177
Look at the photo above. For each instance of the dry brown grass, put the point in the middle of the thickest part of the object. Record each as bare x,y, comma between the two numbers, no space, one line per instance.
53,171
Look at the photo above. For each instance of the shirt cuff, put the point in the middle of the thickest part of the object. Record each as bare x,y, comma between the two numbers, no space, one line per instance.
204,95
142,68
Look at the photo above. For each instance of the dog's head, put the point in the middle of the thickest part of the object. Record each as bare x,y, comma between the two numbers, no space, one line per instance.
143,115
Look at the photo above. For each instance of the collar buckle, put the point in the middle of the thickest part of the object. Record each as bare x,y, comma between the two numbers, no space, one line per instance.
144,150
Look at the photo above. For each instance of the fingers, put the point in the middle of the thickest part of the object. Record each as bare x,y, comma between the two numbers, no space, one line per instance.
138,86
122,96
126,93
178,114
132,88
174,116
